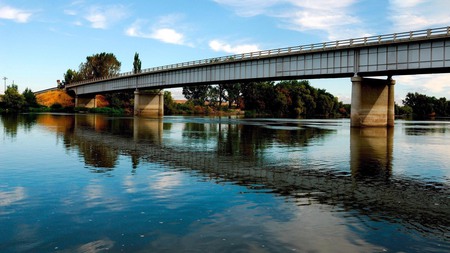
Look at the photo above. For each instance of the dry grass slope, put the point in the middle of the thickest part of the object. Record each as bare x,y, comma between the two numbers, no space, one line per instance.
55,97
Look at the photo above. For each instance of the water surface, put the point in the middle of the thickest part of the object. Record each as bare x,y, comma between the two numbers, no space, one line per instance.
91,183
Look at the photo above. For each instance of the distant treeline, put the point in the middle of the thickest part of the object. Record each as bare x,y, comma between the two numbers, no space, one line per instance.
277,99
422,106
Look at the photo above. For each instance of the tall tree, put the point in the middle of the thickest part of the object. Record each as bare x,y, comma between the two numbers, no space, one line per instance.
136,64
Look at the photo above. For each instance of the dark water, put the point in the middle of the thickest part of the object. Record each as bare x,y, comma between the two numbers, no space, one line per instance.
90,183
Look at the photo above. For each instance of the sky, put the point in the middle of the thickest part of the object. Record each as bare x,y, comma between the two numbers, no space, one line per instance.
41,39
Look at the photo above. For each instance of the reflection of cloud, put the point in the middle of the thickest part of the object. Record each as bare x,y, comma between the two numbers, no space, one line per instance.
95,195
8,198
321,231
166,182
96,246
129,184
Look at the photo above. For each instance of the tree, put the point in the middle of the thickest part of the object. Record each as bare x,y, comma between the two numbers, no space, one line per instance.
13,99
136,64
197,94
71,76
420,104
99,66
169,104
30,98
233,93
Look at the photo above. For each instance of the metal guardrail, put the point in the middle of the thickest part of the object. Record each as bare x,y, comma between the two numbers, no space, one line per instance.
347,43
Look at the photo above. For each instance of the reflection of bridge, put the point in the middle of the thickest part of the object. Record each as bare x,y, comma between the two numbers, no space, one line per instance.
369,189
418,52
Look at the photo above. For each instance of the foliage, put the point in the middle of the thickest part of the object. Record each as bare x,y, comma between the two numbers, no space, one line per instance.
289,99
96,66
107,110
120,99
50,98
12,99
100,65
197,94
72,76
169,104
136,64
233,93
423,106
30,98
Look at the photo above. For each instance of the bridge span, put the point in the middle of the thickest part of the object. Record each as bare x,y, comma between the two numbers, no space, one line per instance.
406,53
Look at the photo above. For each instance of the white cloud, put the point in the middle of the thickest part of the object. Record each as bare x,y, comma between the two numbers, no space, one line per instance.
161,32
333,17
168,35
433,85
220,46
104,17
249,8
407,15
17,15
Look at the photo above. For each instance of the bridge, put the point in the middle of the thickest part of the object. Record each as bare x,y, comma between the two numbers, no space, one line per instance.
406,53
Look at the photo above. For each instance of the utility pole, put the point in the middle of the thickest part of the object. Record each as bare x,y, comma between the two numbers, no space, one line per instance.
4,79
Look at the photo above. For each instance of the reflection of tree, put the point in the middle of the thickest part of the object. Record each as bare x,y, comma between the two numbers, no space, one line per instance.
426,128
12,122
249,140
98,155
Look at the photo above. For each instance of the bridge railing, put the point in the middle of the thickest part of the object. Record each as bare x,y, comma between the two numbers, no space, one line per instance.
346,43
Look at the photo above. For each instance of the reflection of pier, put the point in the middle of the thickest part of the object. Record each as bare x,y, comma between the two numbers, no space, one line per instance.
369,188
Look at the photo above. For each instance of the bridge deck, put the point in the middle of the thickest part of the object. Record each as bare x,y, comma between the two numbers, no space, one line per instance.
424,51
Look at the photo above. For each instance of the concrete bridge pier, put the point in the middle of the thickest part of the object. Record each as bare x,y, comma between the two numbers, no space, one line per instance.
87,101
372,102
149,103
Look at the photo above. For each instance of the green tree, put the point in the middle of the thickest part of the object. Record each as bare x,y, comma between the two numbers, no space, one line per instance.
136,64
169,104
421,105
72,76
197,94
12,99
257,96
233,93
99,66
30,98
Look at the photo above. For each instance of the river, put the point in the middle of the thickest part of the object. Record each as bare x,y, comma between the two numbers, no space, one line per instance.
93,183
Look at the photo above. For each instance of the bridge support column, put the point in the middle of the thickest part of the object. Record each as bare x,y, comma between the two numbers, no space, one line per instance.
148,104
86,101
372,102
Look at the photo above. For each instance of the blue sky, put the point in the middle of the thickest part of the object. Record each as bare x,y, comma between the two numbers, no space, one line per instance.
41,39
